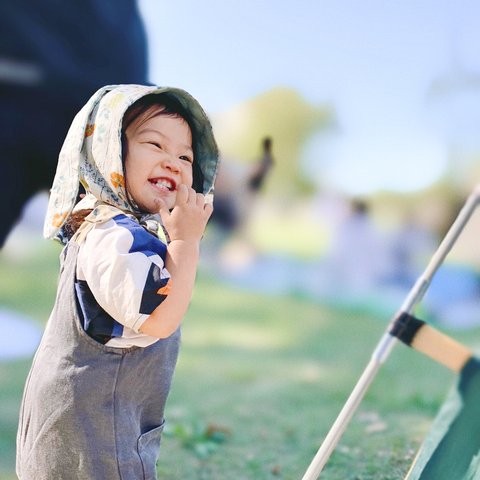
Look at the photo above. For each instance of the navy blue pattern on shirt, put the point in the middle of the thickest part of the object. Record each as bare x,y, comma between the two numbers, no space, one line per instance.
113,275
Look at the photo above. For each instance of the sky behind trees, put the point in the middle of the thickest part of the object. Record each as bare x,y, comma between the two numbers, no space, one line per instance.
402,76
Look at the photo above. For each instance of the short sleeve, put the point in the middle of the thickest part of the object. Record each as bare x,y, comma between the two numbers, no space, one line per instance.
124,267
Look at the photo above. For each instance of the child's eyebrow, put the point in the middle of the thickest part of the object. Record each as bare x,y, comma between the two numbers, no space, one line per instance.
160,134
150,130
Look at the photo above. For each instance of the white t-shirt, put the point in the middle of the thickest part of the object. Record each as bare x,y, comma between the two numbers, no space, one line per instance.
121,279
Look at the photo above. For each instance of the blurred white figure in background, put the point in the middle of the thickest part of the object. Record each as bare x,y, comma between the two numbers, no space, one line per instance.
356,261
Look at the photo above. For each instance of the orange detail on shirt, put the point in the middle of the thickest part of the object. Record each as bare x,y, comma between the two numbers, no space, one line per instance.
117,179
165,290
89,130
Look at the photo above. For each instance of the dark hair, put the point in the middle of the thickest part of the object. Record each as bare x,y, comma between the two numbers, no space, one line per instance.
75,221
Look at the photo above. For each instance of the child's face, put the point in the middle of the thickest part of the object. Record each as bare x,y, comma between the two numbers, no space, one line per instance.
159,158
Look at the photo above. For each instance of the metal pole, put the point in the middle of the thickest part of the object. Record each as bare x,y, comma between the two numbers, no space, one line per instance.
387,342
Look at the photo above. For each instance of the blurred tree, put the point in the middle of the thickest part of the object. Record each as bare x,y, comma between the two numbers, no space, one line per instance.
288,119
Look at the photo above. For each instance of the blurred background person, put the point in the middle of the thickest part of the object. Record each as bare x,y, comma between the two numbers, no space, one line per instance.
53,56
354,264
262,167
236,190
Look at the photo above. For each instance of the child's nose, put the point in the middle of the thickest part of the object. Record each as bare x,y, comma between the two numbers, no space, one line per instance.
172,164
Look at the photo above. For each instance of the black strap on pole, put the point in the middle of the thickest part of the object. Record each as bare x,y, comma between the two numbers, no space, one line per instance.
405,326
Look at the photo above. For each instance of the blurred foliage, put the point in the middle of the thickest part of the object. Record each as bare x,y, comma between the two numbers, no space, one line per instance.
288,119
434,207
203,439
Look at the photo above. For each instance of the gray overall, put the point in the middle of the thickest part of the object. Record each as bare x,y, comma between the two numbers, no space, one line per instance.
91,411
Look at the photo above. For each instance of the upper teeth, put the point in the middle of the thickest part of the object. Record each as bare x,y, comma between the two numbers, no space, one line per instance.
165,183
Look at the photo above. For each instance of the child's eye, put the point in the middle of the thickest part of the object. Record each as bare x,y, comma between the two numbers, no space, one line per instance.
186,158
155,144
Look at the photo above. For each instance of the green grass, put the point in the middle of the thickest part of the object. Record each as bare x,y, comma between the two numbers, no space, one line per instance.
259,382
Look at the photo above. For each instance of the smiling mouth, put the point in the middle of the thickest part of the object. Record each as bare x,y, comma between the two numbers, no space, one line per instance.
165,183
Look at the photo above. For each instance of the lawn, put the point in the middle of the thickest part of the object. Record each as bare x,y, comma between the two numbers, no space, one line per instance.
259,382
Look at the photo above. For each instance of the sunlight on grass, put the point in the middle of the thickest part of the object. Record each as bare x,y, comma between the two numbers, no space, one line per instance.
28,282
260,380
307,236
310,372
245,337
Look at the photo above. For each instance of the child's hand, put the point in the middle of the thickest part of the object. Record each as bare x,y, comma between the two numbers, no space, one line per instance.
189,217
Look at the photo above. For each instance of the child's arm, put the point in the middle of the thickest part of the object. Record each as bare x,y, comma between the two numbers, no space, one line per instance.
185,225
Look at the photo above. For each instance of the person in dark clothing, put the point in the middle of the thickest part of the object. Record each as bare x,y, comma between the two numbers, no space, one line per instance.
258,176
53,56
233,193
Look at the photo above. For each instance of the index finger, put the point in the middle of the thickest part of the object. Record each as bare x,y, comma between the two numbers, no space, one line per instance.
182,194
